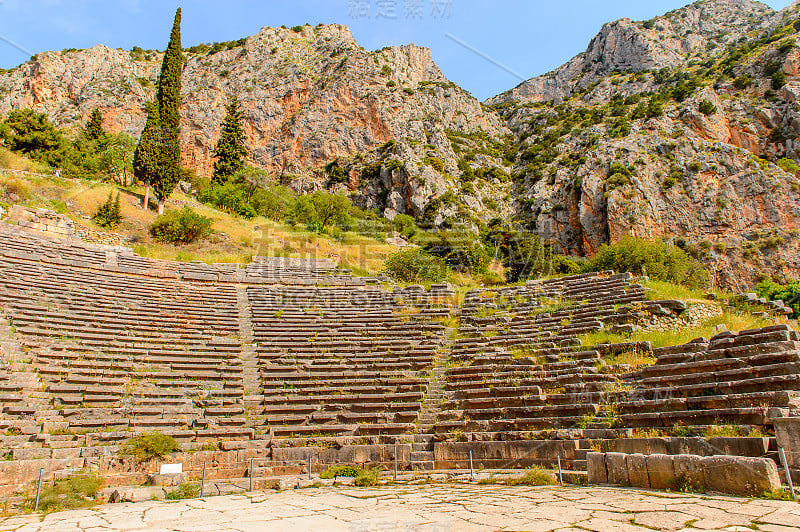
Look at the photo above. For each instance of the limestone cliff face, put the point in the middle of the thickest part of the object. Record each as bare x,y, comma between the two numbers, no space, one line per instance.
308,97
664,42
705,177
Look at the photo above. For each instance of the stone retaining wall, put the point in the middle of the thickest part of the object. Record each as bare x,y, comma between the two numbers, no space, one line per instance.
694,315
720,473
60,226
90,236
646,467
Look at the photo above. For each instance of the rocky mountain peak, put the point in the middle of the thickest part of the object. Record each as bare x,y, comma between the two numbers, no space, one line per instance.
310,96
668,41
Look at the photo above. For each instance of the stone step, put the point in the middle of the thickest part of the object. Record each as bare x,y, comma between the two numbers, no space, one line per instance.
422,456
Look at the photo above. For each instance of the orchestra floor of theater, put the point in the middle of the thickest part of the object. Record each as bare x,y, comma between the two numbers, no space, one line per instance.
429,508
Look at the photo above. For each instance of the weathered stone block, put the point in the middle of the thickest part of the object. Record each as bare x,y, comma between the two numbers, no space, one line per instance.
67,452
617,469
596,467
661,469
167,480
740,446
31,454
689,471
637,470
787,432
740,475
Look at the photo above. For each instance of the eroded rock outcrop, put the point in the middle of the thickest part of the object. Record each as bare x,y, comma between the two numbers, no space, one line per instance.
308,96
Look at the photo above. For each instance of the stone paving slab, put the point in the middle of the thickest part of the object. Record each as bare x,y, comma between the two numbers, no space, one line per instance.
428,508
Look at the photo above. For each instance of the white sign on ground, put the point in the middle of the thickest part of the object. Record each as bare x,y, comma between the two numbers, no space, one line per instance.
171,469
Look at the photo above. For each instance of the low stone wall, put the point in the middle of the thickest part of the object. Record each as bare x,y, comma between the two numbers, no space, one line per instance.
721,473
90,236
59,226
694,315
19,476
735,446
506,454
42,221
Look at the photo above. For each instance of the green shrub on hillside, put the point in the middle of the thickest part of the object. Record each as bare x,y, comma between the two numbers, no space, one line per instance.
180,227
321,209
32,134
460,250
230,197
656,259
786,293
435,163
274,202
707,108
412,265
743,81
778,80
108,214
406,225
788,165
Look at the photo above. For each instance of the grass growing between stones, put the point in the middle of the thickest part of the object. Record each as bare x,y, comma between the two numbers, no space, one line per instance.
682,484
361,477
734,321
782,494
190,490
75,491
663,290
534,476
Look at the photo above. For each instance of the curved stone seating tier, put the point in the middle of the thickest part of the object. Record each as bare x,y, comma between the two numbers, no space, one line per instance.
19,243
518,364
337,361
107,347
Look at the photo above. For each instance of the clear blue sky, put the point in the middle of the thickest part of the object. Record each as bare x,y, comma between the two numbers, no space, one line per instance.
527,37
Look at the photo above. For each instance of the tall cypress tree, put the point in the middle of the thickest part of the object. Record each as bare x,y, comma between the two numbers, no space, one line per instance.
146,156
168,99
231,151
94,128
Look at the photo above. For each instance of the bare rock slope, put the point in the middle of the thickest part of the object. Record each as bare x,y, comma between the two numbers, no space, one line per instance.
310,95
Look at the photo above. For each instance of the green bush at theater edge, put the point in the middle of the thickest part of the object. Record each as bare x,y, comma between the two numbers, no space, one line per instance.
657,259
415,266
361,477
786,293
189,490
180,227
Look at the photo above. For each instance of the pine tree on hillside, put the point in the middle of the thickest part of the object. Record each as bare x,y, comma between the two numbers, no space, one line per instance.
94,127
146,156
230,151
168,98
